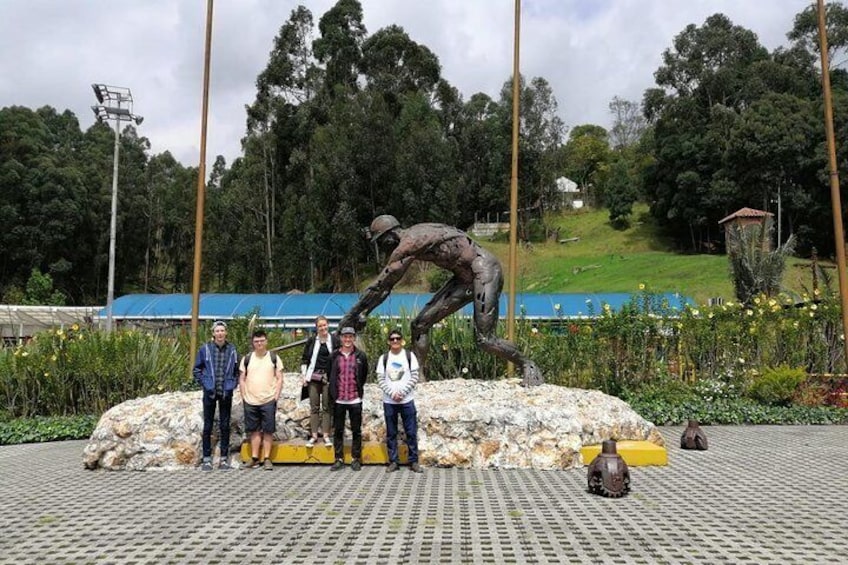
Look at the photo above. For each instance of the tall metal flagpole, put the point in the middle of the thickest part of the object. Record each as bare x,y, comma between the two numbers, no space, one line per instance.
513,190
201,189
836,203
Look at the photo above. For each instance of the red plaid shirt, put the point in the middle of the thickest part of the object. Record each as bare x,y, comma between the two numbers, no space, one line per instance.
347,378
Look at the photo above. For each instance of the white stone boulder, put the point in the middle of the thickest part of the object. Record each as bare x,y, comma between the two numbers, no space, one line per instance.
461,423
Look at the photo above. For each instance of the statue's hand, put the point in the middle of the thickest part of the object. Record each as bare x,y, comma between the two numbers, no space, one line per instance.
356,322
360,323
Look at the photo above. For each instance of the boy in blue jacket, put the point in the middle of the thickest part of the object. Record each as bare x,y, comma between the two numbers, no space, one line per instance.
216,370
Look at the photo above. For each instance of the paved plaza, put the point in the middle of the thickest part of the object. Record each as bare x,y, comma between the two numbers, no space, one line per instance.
761,494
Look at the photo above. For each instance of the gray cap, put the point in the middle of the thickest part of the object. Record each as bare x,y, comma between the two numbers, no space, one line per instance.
347,330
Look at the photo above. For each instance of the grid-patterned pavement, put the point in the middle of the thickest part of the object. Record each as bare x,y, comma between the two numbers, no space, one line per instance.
764,494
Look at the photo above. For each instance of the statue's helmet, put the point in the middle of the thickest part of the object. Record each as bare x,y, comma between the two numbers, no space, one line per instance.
381,225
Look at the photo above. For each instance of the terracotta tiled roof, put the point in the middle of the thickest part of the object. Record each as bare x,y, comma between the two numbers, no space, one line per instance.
746,213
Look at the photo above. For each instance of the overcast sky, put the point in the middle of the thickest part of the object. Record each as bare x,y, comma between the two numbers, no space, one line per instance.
589,50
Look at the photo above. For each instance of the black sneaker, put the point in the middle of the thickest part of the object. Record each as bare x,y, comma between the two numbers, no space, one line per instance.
337,465
224,465
252,464
392,467
355,465
206,465
416,468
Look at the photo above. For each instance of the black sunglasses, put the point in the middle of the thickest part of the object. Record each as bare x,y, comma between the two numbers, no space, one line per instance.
395,338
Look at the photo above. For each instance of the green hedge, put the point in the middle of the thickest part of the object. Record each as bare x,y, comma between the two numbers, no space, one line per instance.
41,429
733,411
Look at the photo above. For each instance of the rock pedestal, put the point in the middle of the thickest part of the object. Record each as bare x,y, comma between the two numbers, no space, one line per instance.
461,423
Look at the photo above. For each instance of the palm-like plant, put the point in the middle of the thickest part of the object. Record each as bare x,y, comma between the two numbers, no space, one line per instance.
754,267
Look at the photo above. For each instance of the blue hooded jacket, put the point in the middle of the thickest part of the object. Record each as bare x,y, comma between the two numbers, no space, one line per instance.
204,367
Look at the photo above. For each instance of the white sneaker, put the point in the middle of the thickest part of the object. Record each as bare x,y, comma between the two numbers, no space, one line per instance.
328,442
310,442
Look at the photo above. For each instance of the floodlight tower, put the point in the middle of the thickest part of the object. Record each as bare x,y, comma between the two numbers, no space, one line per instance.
116,103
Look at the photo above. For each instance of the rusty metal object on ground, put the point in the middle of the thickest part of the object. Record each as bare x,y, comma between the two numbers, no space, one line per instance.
693,437
608,474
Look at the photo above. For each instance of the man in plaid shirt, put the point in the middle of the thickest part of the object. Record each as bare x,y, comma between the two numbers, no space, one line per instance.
348,371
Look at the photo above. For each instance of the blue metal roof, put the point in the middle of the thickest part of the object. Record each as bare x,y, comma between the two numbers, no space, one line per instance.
303,308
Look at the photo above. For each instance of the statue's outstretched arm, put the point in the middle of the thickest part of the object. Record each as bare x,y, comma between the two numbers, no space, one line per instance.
376,292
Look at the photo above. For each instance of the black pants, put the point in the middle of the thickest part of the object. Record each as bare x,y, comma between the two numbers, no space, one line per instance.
355,414
225,404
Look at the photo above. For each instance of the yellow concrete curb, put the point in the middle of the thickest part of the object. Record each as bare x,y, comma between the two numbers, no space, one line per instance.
373,453
634,453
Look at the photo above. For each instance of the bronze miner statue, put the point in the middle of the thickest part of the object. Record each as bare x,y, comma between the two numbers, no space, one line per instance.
693,437
608,473
477,277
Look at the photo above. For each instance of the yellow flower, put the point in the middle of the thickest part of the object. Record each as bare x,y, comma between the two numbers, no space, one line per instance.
534,331
25,354
749,312
384,329
695,312
641,286
46,374
444,347
53,358
795,324
75,327
814,306
710,315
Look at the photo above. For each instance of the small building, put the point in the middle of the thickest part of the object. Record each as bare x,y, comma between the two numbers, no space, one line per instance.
742,219
569,193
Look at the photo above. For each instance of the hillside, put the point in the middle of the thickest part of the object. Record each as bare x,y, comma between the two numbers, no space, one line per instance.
603,259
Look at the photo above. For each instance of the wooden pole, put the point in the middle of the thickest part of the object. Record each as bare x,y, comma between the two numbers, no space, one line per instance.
201,189
836,203
513,190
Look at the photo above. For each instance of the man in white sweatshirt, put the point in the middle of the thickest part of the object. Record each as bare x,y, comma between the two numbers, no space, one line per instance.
397,375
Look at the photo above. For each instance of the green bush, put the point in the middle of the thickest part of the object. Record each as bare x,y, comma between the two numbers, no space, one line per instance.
776,386
734,412
41,429
76,371
436,278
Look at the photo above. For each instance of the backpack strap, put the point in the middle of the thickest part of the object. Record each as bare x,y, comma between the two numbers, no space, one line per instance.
249,353
385,359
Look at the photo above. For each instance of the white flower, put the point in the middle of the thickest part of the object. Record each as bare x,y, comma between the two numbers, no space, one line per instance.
465,370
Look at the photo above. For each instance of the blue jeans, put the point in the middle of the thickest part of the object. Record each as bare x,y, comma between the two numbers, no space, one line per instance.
225,405
409,417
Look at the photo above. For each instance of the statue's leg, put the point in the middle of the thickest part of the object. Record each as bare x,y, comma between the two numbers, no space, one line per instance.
447,300
487,290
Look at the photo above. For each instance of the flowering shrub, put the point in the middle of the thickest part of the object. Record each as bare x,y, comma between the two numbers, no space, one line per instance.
704,354
77,371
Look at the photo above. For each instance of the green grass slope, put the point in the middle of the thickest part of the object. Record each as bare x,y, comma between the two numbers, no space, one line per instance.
604,259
